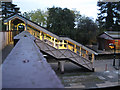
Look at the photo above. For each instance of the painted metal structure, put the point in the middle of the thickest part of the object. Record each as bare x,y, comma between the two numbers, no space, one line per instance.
58,47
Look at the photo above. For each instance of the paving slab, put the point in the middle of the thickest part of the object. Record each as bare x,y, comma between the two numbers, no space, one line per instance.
101,77
75,77
107,84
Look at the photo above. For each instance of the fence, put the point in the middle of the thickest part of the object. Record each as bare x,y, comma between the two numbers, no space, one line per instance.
6,38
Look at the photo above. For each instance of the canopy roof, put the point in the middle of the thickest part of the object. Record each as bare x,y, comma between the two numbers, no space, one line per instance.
110,35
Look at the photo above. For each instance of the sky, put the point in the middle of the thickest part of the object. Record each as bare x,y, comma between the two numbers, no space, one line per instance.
86,7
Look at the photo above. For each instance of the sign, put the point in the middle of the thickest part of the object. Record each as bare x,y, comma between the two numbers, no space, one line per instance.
111,47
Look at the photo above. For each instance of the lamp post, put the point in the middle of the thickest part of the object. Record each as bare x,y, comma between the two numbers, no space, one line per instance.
113,46
119,22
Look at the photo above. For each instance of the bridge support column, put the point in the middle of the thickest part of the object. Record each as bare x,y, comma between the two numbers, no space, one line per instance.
61,66
58,66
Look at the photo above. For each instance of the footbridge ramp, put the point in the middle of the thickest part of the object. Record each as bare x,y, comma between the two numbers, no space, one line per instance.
58,47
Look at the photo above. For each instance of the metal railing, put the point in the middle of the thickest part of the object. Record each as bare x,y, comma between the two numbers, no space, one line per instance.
63,44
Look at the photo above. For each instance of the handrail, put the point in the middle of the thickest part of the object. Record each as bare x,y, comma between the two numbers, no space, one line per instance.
72,41
69,47
41,29
64,43
88,63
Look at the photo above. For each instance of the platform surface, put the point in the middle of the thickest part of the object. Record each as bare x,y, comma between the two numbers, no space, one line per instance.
25,67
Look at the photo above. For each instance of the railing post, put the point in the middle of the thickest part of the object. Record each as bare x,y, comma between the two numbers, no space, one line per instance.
80,51
25,27
44,36
67,44
62,43
10,25
58,44
54,42
40,35
75,48
86,56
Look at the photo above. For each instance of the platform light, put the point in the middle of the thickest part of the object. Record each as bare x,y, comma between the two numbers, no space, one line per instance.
113,46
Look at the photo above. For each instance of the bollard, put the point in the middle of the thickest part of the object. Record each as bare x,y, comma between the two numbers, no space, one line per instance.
106,67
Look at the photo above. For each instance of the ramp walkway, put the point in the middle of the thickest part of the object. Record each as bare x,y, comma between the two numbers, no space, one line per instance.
58,47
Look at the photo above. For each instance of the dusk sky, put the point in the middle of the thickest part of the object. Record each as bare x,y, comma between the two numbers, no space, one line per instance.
86,7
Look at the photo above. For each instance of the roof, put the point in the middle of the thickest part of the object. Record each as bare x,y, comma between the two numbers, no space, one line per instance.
110,35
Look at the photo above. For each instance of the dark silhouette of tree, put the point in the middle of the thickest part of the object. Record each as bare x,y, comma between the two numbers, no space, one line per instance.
86,31
108,16
9,9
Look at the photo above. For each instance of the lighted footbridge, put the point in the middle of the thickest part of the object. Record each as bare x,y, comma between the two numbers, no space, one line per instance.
61,48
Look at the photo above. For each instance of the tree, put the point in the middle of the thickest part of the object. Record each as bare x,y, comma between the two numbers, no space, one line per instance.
27,15
38,16
117,16
86,30
107,18
9,9
60,21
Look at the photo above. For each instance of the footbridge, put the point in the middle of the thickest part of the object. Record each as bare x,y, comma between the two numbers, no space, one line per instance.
60,48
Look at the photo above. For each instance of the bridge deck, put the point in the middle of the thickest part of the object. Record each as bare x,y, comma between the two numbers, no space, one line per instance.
25,67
